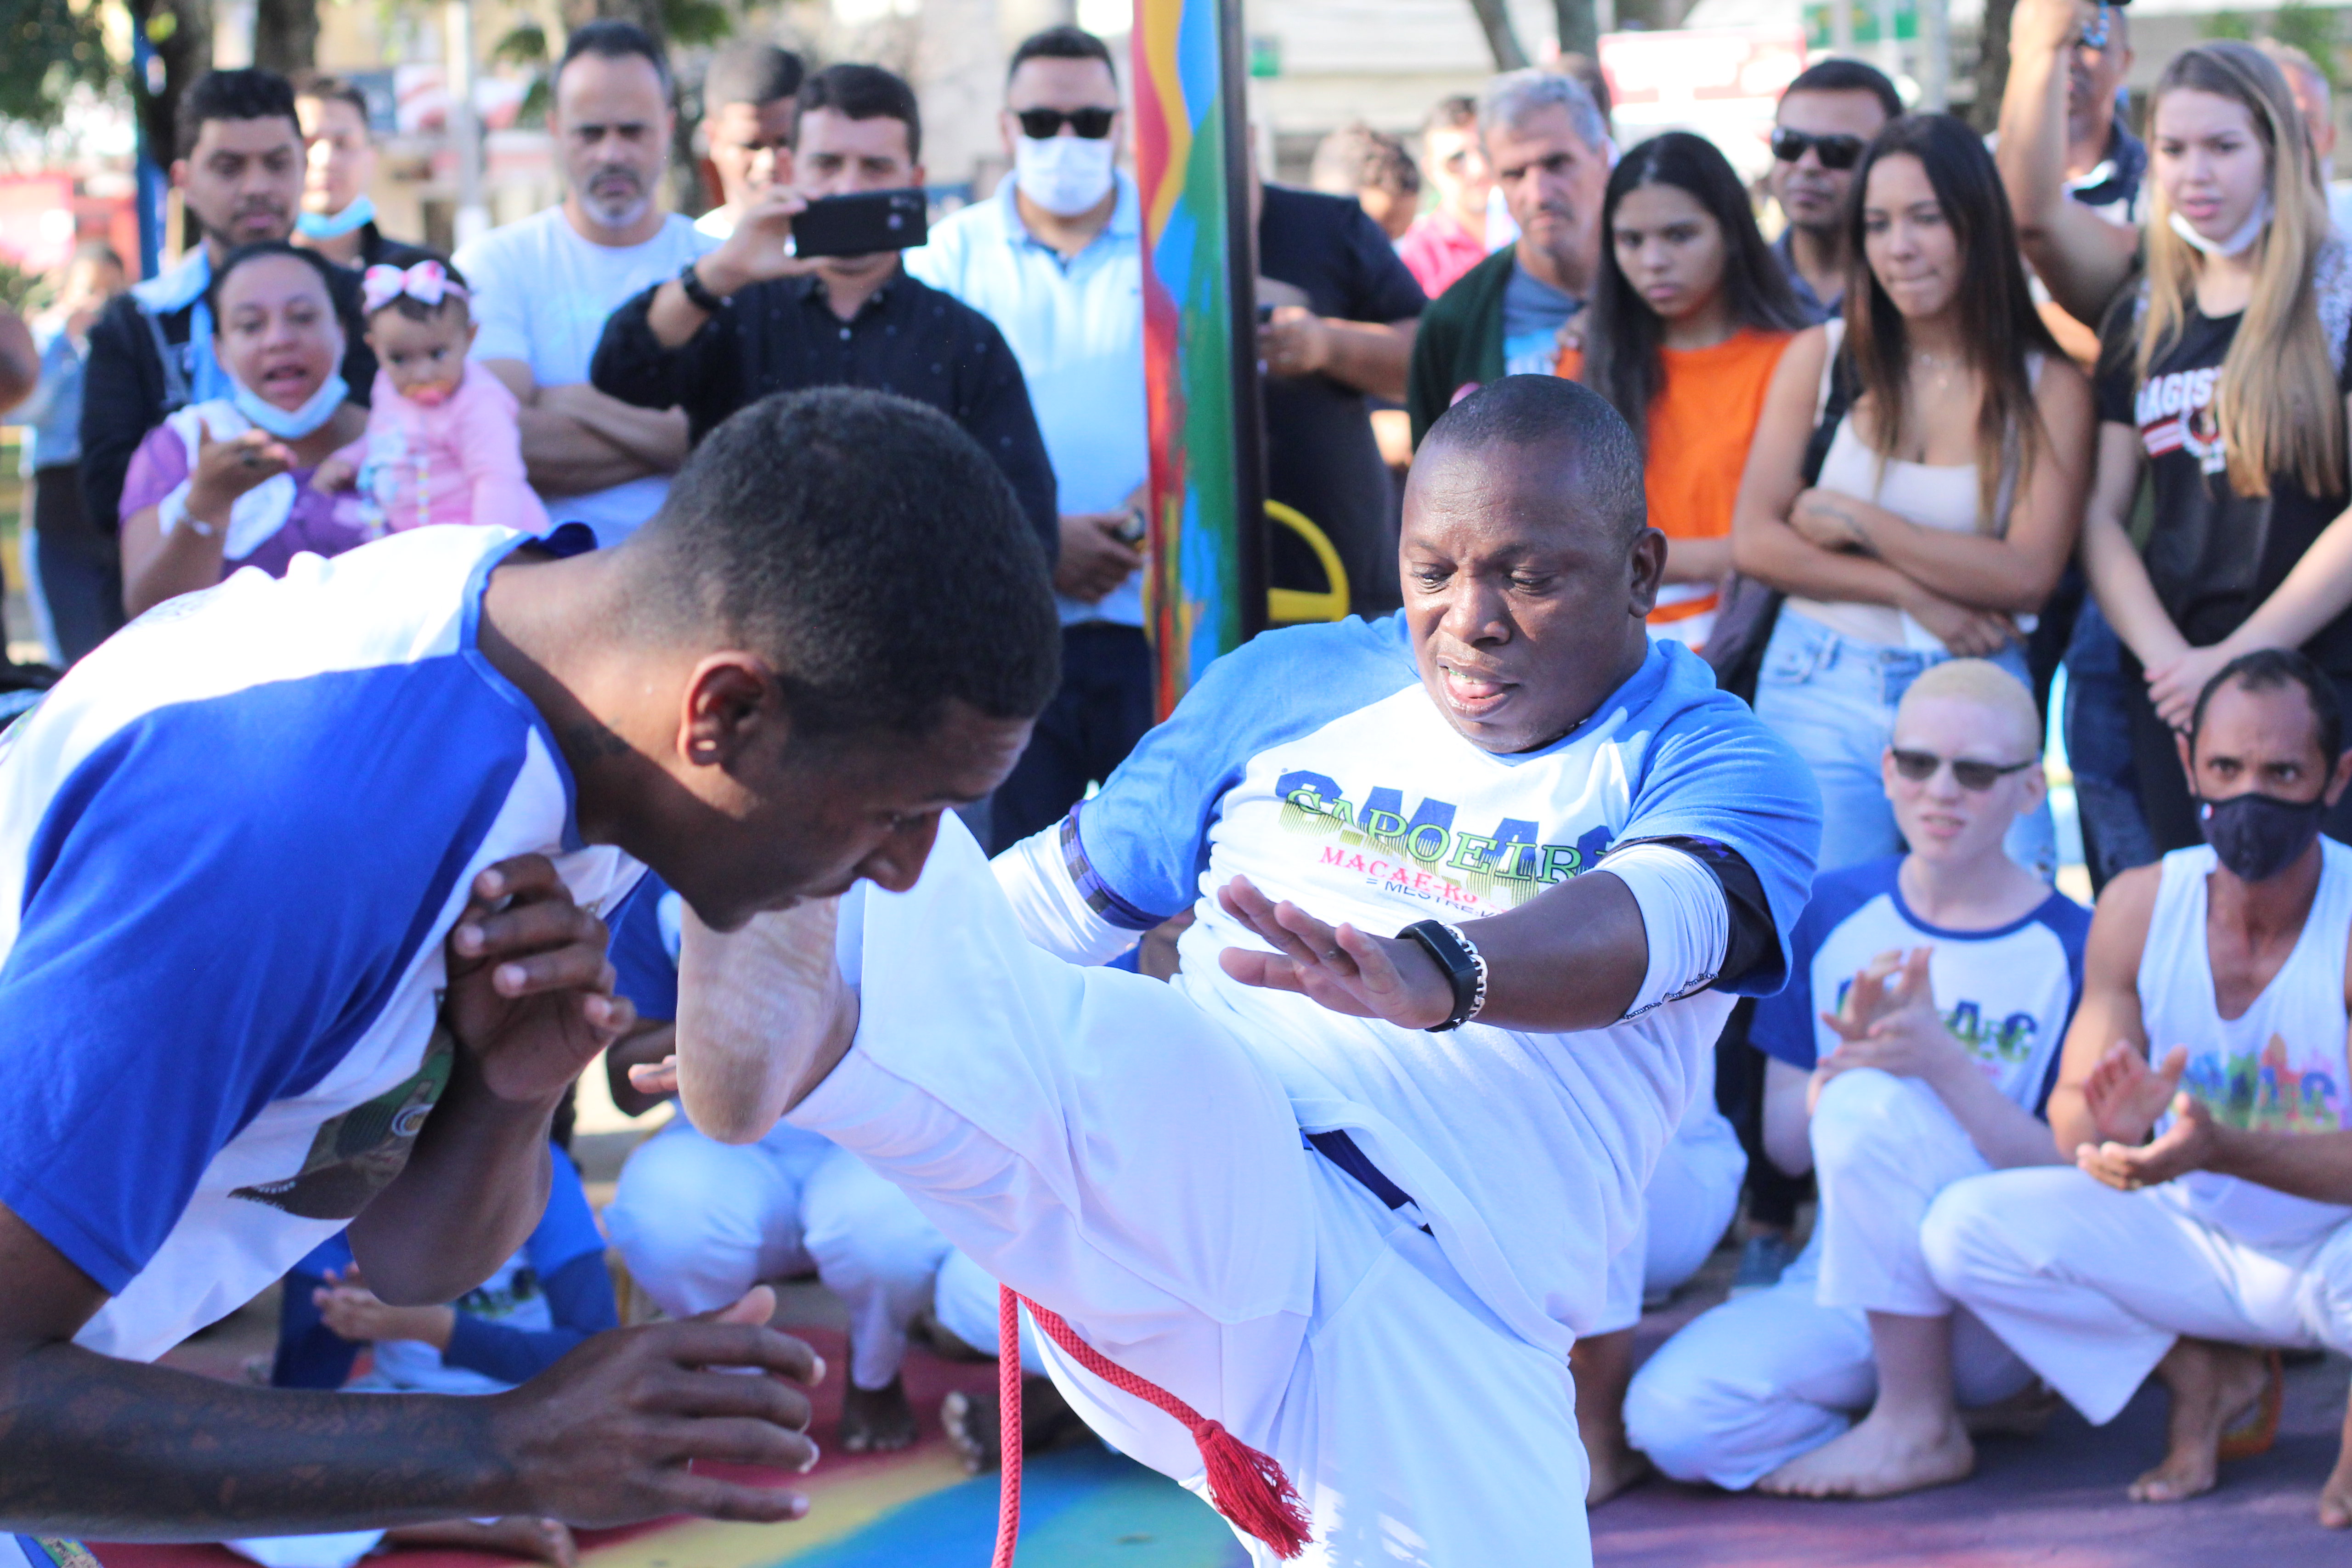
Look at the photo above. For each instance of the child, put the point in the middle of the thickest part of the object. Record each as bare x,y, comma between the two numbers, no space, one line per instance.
441,443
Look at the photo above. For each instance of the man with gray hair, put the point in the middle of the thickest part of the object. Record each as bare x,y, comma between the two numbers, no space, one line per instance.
1549,147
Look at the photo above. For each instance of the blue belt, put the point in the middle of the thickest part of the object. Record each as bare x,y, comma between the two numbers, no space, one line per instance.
1340,1150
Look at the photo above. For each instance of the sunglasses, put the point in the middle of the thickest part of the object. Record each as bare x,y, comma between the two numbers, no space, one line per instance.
1974,776
1037,124
1839,151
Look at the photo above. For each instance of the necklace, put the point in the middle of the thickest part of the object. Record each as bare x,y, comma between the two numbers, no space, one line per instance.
1941,366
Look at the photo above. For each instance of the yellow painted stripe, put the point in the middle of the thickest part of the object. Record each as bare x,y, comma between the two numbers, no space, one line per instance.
836,1508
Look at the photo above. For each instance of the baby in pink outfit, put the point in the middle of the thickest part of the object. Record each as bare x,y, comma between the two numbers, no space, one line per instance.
441,443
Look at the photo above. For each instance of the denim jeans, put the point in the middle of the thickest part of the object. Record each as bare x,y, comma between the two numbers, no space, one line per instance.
1834,699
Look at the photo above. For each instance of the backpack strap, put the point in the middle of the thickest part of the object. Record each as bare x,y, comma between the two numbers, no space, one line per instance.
1837,395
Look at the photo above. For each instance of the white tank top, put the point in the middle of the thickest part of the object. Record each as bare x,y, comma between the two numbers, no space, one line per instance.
2280,1068
1933,495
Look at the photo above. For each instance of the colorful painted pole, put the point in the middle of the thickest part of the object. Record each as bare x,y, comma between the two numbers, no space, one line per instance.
1205,584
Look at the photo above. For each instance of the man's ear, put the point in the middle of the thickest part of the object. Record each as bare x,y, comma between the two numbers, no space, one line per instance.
179,173
2340,779
2188,761
732,703
1647,561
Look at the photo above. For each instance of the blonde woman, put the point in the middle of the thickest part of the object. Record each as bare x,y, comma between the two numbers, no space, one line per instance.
2223,374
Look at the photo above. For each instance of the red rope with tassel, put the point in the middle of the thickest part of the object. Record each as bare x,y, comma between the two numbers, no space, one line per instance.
1247,1487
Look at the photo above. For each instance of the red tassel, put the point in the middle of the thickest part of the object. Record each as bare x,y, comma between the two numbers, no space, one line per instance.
1249,1490
1247,1487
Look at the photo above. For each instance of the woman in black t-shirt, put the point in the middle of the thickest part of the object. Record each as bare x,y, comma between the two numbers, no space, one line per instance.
2224,373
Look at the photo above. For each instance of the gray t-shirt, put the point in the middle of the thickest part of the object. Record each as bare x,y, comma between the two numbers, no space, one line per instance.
1533,311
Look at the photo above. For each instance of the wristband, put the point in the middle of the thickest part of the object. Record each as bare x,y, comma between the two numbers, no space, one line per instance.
172,512
1459,960
697,291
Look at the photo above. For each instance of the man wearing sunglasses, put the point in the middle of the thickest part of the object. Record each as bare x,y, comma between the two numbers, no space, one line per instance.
1055,260
1912,1049
2074,174
1826,117
2202,1100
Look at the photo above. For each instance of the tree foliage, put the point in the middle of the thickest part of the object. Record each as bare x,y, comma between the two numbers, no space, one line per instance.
47,49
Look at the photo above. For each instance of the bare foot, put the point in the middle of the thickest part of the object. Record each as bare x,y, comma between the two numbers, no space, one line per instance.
1616,1469
1880,1456
876,1420
762,1016
972,1423
2022,1414
2211,1384
517,1536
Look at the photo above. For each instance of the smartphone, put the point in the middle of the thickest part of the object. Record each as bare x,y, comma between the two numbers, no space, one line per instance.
862,224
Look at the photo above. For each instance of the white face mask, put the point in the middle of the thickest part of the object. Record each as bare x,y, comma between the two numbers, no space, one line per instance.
1066,175
2248,232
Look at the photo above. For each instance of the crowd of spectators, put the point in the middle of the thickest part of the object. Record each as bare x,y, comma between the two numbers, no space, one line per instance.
1896,452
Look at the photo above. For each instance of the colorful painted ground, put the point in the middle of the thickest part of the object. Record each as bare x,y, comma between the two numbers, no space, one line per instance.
2053,1502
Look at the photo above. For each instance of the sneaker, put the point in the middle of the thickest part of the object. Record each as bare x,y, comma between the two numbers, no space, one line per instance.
1761,1262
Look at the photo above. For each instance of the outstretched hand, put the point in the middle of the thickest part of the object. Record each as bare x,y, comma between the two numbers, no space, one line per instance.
530,992
2124,1096
1338,966
2188,1144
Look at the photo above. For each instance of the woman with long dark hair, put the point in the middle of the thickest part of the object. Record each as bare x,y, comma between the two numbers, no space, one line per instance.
1947,499
1688,318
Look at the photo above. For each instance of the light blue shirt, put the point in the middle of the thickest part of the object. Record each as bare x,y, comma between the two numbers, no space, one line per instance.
52,416
1076,327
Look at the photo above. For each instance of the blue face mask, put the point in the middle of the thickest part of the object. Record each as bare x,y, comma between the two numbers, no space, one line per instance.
334,226
290,424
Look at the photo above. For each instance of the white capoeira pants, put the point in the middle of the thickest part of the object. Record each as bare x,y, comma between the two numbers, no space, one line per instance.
699,1222
965,1305
2091,1286
1693,1191
1104,1145
1754,1383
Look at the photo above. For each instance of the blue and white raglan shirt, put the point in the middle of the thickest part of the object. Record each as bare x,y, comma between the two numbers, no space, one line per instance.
1313,762
232,842
2008,993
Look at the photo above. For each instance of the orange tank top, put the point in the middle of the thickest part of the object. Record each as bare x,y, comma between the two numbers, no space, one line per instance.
1700,424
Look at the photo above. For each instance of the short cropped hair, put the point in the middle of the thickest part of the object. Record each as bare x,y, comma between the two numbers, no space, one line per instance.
1454,112
2268,669
1842,75
1358,158
1062,43
1515,97
1984,683
867,92
231,95
752,73
611,38
1603,465
333,90
872,552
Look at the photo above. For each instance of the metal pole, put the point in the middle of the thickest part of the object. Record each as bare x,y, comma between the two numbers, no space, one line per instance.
1890,52
1934,55
1841,27
473,217
1241,282
149,193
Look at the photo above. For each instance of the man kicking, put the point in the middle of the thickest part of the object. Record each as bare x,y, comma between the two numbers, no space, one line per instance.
1912,1049
236,843
2231,1228
1352,1196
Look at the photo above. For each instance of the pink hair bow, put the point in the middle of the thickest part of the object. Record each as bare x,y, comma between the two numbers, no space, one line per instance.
427,283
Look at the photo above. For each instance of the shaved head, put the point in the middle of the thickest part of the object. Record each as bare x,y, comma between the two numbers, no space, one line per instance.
1527,559
1557,432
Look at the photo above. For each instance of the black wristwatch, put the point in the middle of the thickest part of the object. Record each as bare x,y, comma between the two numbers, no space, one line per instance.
698,290
1459,960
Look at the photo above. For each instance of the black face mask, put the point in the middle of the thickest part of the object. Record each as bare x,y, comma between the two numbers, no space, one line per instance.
2258,835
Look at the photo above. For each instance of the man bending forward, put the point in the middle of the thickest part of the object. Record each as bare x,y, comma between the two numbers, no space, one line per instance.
1386,1304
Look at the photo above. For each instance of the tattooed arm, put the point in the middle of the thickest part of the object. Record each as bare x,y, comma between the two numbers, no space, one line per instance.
530,1003
94,1446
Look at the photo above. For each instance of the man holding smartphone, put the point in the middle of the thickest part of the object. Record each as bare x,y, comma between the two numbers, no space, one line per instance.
752,317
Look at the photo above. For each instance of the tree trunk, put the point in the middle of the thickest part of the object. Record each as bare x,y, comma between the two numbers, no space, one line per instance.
1502,42
1580,30
1993,65
286,36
